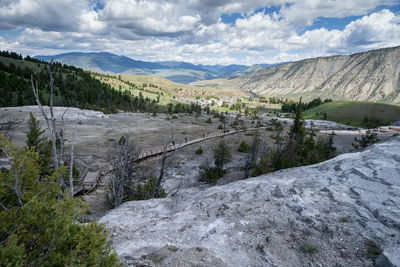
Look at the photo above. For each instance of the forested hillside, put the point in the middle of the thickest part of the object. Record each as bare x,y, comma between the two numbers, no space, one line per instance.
73,87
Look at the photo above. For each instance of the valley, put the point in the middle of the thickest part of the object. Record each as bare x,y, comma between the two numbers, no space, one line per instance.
305,184
147,133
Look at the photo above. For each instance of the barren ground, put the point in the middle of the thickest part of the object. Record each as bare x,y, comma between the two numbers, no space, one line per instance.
98,133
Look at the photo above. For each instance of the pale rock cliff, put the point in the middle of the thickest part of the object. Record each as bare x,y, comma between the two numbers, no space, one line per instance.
319,215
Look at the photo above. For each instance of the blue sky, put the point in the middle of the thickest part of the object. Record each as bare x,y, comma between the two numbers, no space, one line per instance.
200,31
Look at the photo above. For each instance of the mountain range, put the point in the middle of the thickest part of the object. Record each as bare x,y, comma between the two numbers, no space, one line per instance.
181,72
368,76
372,76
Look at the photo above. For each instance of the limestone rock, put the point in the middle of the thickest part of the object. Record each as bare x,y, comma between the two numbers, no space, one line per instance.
389,258
338,205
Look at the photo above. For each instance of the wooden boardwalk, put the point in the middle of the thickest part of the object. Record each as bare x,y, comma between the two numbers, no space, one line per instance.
92,177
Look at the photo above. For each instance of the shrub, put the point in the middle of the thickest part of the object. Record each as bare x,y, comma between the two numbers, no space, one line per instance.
147,190
208,120
243,147
174,117
372,122
222,154
220,127
211,175
300,147
373,249
367,139
308,248
199,151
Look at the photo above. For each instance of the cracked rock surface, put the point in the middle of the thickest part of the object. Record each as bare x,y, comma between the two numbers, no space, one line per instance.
318,215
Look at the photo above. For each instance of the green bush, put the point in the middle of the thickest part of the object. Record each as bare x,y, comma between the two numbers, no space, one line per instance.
220,127
40,225
373,249
367,139
372,122
174,117
147,190
308,248
243,147
211,175
300,147
208,120
222,154
199,151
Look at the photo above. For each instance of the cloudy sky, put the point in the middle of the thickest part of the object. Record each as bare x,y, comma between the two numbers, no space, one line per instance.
200,31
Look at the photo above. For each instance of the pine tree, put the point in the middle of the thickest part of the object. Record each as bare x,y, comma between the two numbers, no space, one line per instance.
39,229
222,154
40,144
34,135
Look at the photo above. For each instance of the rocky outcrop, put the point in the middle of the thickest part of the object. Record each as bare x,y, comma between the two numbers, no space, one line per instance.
319,215
372,75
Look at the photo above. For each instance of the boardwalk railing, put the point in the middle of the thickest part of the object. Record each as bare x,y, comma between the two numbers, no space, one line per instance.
91,178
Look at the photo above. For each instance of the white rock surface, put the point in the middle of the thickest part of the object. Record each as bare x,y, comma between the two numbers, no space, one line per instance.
334,207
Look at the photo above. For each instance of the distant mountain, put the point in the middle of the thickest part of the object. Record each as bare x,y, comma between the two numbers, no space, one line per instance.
103,61
373,75
176,71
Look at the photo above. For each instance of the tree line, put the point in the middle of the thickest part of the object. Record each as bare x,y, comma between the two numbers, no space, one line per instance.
74,87
288,107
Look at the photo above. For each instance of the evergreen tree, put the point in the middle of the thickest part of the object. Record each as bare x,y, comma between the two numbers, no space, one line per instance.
40,144
300,147
39,229
222,154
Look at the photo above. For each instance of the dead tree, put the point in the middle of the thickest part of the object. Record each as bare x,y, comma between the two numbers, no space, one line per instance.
251,157
9,124
55,135
71,164
163,165
224,120
123,166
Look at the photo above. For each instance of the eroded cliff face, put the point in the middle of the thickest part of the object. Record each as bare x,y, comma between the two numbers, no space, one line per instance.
319,215
372,75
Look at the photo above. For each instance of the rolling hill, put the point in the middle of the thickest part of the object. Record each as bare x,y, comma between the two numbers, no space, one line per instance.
354,112
369,76
181,72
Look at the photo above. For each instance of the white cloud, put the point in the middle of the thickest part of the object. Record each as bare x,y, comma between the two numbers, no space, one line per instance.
192,30
48,15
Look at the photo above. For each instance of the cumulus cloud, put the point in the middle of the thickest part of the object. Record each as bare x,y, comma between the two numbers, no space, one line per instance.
48,15
193,31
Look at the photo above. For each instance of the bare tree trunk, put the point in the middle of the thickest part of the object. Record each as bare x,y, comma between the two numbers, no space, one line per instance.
164,159
71,164
51,126
123,166
60,137
251,156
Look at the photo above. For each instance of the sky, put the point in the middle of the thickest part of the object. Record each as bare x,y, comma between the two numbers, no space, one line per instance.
200,31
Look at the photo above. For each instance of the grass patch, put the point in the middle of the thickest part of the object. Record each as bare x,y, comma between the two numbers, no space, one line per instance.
199,151
353,113
373,249
308,248
243,147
